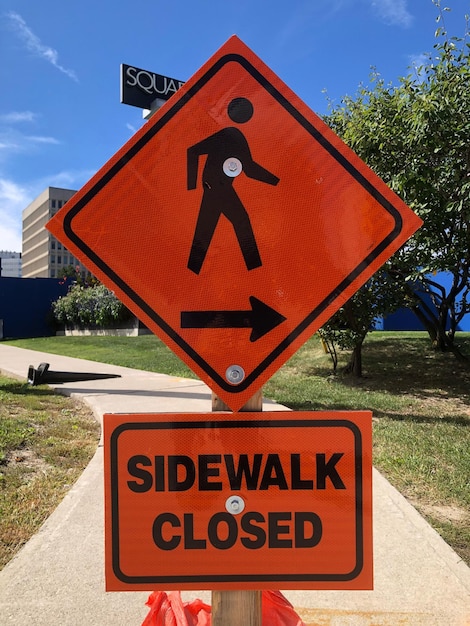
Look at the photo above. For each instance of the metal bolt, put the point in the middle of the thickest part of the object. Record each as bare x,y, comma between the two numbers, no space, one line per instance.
235,374
232,167
235,504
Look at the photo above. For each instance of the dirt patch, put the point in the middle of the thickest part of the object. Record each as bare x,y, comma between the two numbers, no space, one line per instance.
27,459
444,513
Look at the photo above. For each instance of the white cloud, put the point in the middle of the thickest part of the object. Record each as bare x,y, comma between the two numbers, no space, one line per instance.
308,14
34,44
393,12
10,237
13,199
69,179
7,144
417,66
418,59
13,140
39,139
17,116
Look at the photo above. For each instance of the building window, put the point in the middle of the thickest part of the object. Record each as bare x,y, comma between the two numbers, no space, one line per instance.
52,245
53,204
59,259
52,258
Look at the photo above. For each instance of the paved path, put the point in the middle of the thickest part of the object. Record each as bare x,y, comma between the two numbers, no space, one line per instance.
57,579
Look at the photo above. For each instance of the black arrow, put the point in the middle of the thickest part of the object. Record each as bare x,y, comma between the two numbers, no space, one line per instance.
261,318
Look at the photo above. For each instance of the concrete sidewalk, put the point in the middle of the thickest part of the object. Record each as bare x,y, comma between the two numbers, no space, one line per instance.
58,577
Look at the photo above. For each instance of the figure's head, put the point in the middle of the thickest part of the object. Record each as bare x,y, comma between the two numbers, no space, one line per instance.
240,110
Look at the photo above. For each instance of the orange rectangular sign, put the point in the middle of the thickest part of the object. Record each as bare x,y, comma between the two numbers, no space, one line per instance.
261,501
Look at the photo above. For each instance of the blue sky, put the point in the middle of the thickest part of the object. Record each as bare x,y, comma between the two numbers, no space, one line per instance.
60,113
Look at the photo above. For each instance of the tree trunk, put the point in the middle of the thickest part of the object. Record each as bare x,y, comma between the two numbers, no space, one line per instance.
441,340
429,326
354,366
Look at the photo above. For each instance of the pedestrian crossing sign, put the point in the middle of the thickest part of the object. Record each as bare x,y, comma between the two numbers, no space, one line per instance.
234,223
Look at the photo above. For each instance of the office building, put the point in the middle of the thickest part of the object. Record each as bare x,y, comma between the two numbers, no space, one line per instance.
43,255
10,264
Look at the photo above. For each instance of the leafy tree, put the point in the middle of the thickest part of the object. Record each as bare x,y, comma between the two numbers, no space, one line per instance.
380,296
69,271
82,278
415,136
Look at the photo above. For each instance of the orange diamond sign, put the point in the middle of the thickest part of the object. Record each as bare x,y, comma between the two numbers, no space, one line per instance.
234,223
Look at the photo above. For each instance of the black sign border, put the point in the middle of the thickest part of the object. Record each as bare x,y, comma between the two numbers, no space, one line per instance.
147,309
198,580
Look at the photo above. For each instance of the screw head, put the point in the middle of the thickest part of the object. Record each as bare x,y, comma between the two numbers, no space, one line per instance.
232,167
235,504
235,374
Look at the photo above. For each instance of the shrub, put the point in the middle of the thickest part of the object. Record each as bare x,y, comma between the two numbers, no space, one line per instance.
89,306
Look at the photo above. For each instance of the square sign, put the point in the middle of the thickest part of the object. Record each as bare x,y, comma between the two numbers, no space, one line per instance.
265,501
234,223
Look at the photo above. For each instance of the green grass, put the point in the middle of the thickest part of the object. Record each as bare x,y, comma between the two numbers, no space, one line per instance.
46,441
420,401
145,352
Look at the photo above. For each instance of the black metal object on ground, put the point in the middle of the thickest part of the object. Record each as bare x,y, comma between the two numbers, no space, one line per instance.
43,376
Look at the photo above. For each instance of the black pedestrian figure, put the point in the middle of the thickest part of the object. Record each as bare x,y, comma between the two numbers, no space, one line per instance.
228,155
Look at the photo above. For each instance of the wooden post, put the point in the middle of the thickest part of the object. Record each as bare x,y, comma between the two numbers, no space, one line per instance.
255,403
237,608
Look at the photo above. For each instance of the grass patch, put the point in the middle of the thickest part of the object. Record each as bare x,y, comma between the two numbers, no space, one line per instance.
420,400
46,441
144,352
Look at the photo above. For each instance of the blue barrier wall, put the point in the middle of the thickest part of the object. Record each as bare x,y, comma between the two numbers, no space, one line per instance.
404,319
25,305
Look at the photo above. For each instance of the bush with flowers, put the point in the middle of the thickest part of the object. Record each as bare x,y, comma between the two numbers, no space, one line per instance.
89,306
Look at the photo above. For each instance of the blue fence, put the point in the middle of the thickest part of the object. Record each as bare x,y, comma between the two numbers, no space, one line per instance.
25,306
25,309
404,319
